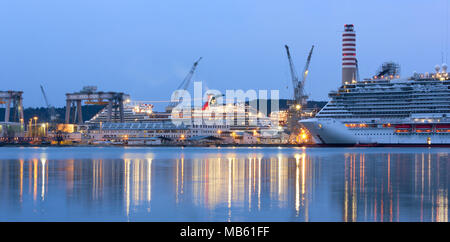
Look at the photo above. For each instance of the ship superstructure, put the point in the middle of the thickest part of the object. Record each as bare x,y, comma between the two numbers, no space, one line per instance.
237,116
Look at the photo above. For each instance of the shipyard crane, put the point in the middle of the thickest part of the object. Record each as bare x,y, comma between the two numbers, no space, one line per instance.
306,70
294,75
299,96
51,109
357,70
184,85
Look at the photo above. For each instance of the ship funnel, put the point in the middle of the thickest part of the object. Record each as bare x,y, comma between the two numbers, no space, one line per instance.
349,65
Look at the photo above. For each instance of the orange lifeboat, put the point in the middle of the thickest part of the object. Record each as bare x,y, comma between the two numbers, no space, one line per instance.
443,128
424,128
403,128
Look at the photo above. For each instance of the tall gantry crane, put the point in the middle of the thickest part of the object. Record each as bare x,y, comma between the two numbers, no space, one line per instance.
183,86
51,109
297,105
300,98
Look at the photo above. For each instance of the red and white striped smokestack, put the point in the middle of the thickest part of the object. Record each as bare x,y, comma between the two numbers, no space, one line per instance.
348,54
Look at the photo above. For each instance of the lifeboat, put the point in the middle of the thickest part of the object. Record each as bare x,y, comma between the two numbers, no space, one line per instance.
403,128
424,128
443,128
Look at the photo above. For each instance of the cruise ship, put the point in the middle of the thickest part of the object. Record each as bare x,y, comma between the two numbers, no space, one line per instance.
240,120
386,110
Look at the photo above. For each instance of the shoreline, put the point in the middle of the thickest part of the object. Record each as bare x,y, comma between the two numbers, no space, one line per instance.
242,145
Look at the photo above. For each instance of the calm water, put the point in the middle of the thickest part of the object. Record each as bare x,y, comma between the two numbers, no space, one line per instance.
209,184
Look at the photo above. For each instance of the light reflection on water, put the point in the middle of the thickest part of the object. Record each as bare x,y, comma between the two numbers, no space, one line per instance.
194,184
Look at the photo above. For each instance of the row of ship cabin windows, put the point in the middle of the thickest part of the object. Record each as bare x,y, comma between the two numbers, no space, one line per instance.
354,113
160,131
375,134
148,136
397,103
210,126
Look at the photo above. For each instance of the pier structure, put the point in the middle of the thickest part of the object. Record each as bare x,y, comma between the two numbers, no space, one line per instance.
14,98
90,95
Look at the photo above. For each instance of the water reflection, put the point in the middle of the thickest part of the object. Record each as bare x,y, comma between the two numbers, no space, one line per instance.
230,185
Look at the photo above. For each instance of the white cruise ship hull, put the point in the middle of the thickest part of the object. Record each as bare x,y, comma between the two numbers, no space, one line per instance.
334,132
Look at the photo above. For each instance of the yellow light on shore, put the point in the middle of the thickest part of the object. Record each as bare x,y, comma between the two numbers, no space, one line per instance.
302,136
298,106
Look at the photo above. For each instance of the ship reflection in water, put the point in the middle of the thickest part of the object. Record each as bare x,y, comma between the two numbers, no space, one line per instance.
242,184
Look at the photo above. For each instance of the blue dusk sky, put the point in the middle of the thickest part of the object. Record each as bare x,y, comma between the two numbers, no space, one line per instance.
145,47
